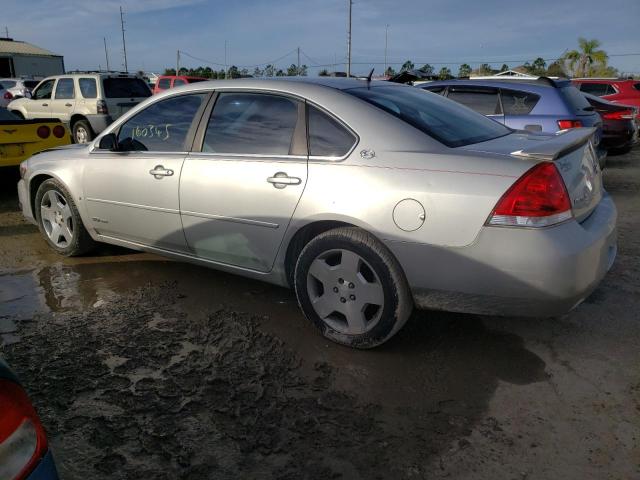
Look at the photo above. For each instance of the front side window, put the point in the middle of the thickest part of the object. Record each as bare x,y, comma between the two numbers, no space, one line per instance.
327,137
484,101
161,127
178,81
444,120
518,103
251,124
64,89
125,87
88,87
164,83
43,92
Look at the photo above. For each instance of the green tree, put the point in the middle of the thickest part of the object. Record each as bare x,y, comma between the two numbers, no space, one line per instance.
485,69
390,72
323,73
539,66
233,72
303,70
408,65
169,71
504,67
257,72
581,61
464,70
556,69
280,73
427,69
292,70
269,71
444,73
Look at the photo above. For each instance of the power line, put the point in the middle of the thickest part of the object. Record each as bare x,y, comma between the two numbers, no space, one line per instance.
210,62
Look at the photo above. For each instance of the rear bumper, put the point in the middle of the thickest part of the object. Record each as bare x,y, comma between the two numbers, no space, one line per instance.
99,122
512,271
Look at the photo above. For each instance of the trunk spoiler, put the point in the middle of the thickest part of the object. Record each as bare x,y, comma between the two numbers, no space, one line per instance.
558,145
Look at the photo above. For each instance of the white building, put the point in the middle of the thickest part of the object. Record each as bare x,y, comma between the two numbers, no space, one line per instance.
21,59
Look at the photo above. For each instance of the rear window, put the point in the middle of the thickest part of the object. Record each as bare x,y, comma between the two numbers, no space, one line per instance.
125,88
484,101
440,118
517,102
8,83
575,99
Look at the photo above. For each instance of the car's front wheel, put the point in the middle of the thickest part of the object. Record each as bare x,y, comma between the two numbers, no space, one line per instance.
59,220
82,132
352,288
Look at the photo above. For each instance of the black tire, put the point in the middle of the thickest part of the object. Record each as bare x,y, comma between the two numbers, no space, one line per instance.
82,128
398,302
81,241
620,150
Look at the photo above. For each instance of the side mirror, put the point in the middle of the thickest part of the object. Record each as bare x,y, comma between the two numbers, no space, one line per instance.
109,142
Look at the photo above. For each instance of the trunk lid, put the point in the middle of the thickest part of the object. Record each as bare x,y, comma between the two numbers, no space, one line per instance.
572,152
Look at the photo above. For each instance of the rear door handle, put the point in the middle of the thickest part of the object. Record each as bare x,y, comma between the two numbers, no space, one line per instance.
281,180
45,104
159,171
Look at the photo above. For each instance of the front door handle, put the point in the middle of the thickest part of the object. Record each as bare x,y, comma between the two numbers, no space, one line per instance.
68,105
45,104
281,180
159,171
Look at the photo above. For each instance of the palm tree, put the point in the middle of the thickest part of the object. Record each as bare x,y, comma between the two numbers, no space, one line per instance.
580,61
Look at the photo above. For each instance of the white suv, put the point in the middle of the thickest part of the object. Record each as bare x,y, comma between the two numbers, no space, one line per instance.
87,102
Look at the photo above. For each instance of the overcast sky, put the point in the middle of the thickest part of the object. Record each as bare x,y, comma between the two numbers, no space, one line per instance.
260,31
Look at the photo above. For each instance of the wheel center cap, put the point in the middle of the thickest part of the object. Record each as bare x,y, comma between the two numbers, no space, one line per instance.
59,218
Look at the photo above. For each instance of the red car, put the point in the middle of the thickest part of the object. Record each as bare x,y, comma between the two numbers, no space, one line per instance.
611,89
169,81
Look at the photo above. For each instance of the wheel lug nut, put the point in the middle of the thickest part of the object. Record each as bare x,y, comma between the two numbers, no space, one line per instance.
351,285
335,289
343,300
352,297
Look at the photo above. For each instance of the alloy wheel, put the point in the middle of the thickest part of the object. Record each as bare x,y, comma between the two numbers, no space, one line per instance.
57,219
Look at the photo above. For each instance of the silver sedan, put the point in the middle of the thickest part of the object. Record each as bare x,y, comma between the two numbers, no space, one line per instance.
367,198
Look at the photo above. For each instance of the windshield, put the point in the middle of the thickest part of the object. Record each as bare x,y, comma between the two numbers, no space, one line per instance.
445,120
125,88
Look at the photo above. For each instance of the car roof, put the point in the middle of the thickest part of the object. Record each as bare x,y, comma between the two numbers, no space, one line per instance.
533,84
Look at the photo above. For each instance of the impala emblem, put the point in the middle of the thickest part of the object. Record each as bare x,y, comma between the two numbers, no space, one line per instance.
10,131
367,154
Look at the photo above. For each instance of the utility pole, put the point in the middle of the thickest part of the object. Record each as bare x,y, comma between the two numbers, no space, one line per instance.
349,41
386,35
106,54
177,62
6,32
298,69
124,43
226,67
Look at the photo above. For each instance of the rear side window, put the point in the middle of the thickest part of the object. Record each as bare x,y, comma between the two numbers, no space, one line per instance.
327,137
598,89
482,101
248,123
164,83
125,88
64,89
161,127
575,99
88,87
518,103
178,81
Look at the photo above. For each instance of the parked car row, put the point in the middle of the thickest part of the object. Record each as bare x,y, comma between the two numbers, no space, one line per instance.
547,105
367,198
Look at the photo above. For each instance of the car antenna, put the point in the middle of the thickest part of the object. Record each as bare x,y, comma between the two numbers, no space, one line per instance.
369,76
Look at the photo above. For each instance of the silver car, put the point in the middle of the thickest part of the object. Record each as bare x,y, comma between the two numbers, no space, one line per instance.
367,198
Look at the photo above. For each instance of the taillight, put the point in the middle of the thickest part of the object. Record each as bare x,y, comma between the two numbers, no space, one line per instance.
620,115
22,439
43,131
102,107
8,95
58,131
566,124
538,199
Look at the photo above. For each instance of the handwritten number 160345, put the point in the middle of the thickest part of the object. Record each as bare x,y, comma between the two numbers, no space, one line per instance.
161,132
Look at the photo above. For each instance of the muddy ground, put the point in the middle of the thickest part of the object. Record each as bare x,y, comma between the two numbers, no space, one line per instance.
146,368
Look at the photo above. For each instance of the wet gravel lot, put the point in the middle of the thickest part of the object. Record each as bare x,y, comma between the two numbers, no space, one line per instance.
146,368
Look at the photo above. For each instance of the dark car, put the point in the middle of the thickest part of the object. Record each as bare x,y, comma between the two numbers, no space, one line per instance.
24,450
619,128
534,104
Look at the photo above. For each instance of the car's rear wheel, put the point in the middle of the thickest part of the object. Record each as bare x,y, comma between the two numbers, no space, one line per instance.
59,220
82,132
352,288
